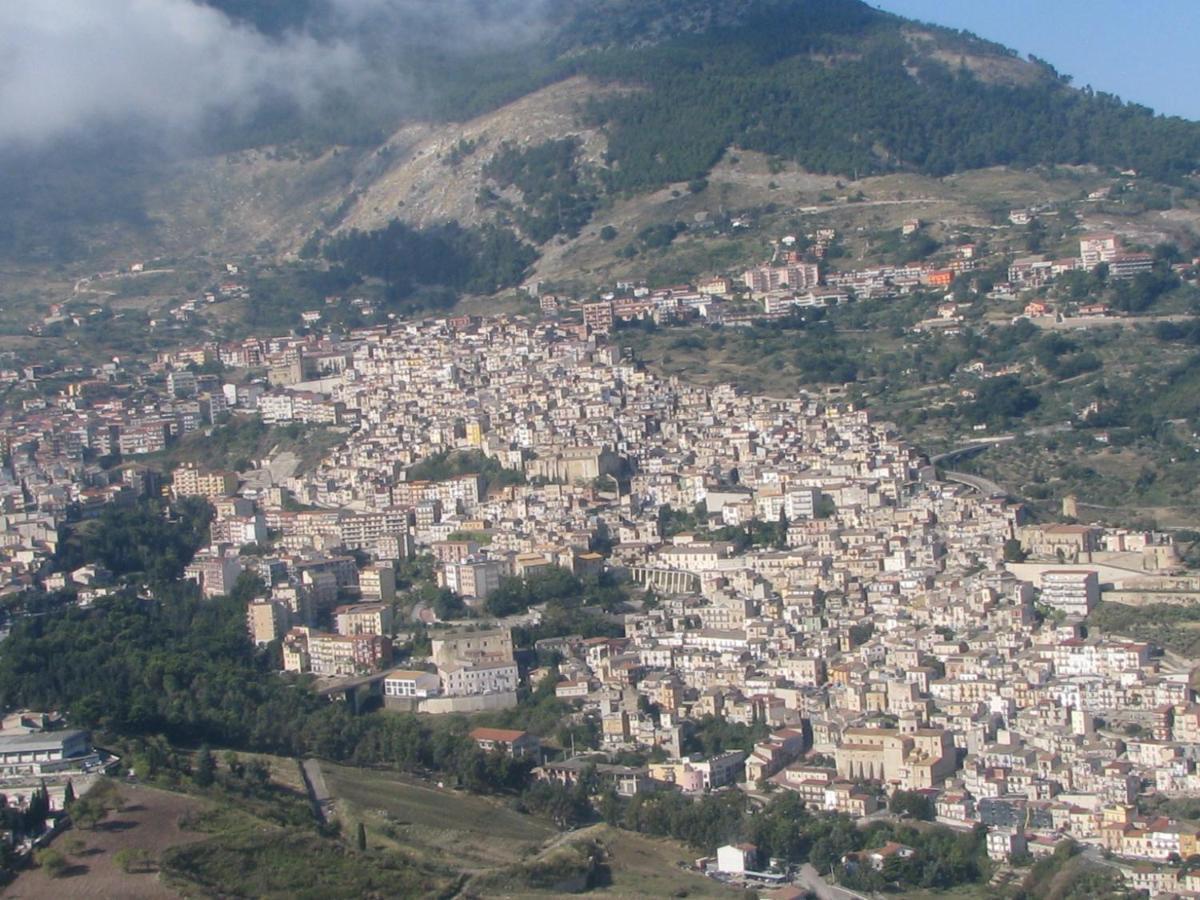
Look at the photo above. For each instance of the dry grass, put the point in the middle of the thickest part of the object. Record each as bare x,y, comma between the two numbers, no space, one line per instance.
644,866
439,826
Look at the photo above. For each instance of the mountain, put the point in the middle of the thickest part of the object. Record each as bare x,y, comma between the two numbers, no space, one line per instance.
534,114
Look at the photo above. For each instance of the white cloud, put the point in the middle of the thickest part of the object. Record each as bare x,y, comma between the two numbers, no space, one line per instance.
66,65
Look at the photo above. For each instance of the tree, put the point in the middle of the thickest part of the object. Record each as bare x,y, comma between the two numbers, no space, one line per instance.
912,803
1013,552
37,811
824,508
205,772
87,812
133,859
52,861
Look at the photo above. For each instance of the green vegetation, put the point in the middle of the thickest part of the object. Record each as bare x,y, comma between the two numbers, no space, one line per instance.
673,521
756,85
443,827
1067,875
54,863
556,198
1176,628
181,668
237,443
296,864
574,867
429,266
29,822
138,539
784,828
94,807
564,617
482,538
716,734
1000,401
518,594
452,464
914,804
132,860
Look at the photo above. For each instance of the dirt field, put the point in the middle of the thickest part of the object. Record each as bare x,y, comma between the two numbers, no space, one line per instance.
149,821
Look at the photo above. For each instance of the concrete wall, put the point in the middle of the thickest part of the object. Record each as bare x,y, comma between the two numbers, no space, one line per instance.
1150,598
441,705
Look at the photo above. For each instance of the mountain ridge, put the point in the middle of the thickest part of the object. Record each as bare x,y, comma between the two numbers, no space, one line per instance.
657,92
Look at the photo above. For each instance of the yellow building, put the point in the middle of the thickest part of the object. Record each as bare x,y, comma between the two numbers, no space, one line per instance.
920,758
190,481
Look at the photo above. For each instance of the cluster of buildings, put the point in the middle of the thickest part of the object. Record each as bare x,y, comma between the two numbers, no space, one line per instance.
774,290
879,637
38,752
1094,249
882,640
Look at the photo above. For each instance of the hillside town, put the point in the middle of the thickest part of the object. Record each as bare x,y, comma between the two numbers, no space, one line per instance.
797,280
792,565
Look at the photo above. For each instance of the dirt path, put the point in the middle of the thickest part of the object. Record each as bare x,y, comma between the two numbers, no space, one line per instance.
318,792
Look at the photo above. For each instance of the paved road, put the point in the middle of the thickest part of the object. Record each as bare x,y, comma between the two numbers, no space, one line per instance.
318,793
811,880
983,485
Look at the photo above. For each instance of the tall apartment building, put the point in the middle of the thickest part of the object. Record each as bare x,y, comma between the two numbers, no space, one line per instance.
1128,265
266,620
181,384
796,276
800,503
238,530
190,481
1074,592
363,618
1097,248
476,579
361,531
598,316
306,650
216,573
377,584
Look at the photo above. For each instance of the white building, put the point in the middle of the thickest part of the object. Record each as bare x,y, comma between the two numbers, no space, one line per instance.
737,859
1074,592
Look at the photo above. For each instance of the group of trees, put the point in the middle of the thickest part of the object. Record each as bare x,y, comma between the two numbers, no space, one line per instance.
147,538
1000,401
716,734
786,829
178,671
21,823
557,197
1063,358
516,594
883,105
446,465
434,262
553,584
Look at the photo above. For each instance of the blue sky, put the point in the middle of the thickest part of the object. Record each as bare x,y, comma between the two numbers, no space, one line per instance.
1146,51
